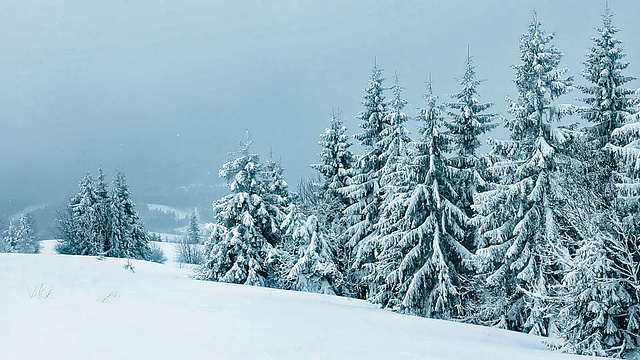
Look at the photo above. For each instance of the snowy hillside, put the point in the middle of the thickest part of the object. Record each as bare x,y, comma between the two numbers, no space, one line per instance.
73,307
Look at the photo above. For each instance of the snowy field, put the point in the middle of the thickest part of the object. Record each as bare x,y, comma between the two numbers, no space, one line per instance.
74,307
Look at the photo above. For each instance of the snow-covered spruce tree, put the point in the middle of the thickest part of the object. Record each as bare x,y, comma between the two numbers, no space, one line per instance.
10,239
276,197
599,312
363,189
394,182
518,220
468,120
193,232
26,241
427,243
242,255
103,211
127,236
608,104
79,224
316,270
336,159
188,248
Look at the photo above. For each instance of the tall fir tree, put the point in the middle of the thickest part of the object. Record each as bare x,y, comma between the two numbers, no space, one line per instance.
102,211
193,231
608,101
10,239
363,189
427,244
335,157
519,219
394,179
608,105
127,236
468,120
25,236
275,193
79,224
242,255
600,296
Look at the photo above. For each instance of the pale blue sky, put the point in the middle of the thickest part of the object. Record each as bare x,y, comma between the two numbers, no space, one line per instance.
165,89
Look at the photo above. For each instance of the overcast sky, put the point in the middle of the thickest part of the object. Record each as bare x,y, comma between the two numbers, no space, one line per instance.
164,89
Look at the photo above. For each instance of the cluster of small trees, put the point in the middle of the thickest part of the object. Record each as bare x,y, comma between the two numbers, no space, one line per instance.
103,221
189,247
20,237
539,235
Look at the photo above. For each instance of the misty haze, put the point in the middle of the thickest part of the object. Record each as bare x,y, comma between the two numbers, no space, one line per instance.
472,161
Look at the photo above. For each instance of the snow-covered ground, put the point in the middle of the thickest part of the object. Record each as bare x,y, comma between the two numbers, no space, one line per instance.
74,307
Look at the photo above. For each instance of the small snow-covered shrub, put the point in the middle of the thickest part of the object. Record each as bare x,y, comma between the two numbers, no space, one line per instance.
188,253
156,254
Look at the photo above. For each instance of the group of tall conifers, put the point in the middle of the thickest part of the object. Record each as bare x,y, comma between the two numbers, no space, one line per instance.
539,235
102,221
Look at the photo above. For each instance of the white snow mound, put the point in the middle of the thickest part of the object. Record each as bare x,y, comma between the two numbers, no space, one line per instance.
74,307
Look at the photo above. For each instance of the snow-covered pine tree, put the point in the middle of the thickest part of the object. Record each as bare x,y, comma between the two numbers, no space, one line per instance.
336,158
102,209
10,239
25,237
599,293
427,244
394,183
193,231
468,120
518,219
608,101
127,236
363,189
316,270
608,104
599,312
275,195
79,223
242,255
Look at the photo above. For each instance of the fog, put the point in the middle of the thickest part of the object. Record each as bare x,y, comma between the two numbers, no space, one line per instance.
164,89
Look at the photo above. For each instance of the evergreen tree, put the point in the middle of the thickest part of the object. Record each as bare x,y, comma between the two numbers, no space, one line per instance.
242,255
336,158
426,248
26,241
599,294
275,193
10,239
363,189
608,102
79,225
394,179
102,210
608,105
468,121
519,218
316,270
127,236
193,232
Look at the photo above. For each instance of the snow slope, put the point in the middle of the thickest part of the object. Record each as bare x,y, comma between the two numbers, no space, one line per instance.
73,307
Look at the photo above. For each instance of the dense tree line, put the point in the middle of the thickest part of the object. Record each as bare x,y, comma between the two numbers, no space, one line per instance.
538,235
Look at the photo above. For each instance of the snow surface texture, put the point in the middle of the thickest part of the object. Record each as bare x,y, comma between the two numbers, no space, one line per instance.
75,307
